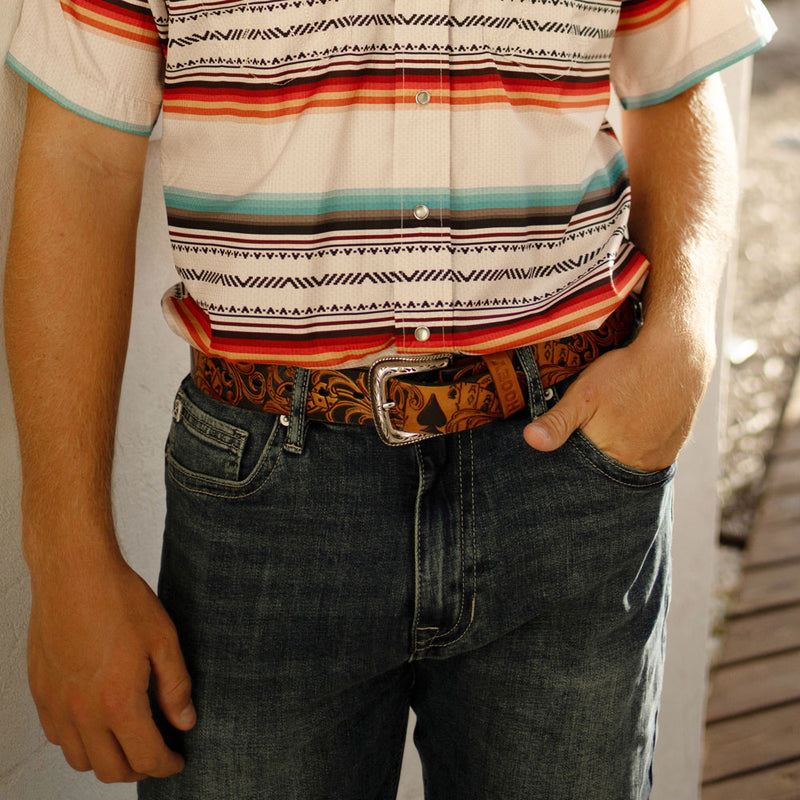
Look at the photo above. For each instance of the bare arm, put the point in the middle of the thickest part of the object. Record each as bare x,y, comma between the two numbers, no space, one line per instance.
638,404
96,629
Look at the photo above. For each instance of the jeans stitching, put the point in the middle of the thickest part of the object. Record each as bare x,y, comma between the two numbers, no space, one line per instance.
174,467
235,496
461,556
216,434
415,624
474,553
648,481
296,432
229,448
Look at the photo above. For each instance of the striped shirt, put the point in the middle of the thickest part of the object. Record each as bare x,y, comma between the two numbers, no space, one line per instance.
346,178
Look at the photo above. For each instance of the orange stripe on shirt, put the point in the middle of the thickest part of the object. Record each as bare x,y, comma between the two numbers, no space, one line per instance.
637,16
108,19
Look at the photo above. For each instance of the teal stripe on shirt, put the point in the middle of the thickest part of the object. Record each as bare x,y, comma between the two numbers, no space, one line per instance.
313,204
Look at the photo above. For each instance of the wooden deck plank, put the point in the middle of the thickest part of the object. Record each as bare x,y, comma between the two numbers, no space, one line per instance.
753,721
761,634
788,441
754,685
778,507
784,473
772,543
751,742
768,587
776,783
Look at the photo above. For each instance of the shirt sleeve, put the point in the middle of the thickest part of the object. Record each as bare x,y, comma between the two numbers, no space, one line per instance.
102,59
662,47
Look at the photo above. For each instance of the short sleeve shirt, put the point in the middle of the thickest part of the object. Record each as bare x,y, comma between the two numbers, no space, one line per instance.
345,178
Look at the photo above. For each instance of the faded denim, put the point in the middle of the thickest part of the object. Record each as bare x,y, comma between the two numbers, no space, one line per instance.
323,582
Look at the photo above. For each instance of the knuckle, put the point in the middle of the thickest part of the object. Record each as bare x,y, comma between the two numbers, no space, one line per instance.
180,688
39,688
113,702
559,423
165,640
78,708
119,775
51,736
77,761
145,764
173,687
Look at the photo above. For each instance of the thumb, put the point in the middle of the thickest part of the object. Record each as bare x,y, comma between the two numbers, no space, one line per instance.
553,428
173,685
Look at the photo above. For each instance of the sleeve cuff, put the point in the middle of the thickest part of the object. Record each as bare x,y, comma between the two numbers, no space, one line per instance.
37,82
661,96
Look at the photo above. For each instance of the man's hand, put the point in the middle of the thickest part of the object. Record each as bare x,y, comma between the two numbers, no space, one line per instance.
94,639
636,404
97,632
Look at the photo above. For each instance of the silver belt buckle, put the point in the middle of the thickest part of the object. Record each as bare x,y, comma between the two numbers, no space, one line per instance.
380,373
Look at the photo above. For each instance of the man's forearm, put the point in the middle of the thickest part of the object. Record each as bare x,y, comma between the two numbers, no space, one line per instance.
637,403
98,636
67,309
682,163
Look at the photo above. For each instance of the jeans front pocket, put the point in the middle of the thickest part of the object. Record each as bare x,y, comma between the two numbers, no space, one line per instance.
220,450
616,470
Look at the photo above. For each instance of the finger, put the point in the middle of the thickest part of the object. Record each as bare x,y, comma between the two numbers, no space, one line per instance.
173,684
144,747
107,758
72,747
48,724
553,428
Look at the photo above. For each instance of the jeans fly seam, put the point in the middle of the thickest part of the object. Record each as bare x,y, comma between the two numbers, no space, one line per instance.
455,625
415,648
474,556
474,527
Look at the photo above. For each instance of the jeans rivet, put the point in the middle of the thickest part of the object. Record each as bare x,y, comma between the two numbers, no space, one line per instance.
284,420
549,394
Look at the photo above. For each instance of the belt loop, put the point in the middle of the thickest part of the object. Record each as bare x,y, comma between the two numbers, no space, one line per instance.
296,432
536,402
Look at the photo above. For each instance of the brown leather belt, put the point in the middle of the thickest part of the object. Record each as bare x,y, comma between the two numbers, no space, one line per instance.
413,398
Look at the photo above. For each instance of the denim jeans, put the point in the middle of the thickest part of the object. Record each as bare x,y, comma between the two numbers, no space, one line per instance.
322,583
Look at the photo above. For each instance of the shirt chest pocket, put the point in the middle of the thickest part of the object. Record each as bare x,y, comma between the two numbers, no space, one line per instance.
547,38
266,42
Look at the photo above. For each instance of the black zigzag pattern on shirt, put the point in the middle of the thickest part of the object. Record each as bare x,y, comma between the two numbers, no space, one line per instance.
213,277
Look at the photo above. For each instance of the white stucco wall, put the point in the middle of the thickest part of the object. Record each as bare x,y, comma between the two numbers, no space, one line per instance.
31,769
679,753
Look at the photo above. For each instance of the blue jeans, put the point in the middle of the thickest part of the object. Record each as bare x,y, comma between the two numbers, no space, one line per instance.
322,583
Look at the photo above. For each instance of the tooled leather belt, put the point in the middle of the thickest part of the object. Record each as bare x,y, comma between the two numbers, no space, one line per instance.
412,398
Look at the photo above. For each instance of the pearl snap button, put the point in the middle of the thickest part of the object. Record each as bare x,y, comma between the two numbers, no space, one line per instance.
421,211
423,98
422,334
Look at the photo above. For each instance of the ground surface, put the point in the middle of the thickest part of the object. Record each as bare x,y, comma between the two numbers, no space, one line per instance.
767,286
